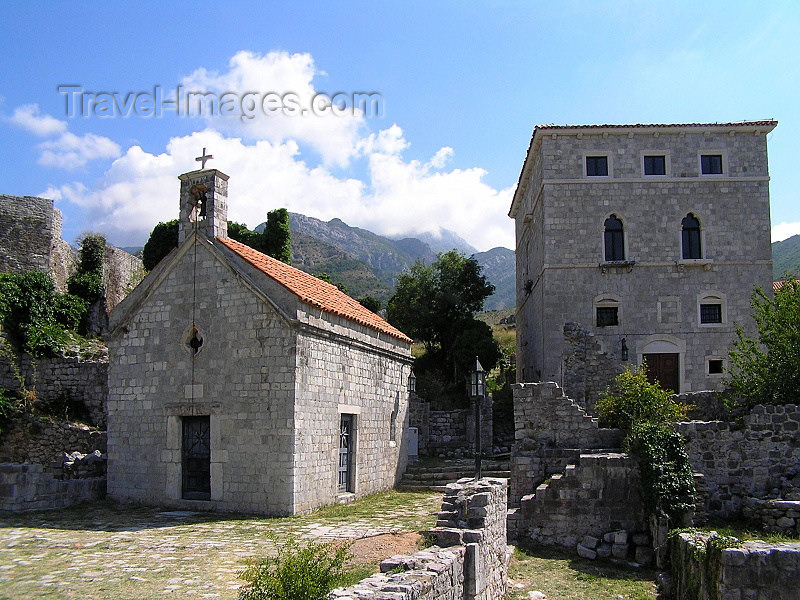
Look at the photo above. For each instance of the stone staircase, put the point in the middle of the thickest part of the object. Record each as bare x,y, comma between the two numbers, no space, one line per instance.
433,474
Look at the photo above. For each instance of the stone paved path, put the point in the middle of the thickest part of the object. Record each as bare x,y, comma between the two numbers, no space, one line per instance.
115,552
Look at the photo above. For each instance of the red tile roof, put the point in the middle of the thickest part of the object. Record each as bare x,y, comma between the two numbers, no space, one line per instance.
313,291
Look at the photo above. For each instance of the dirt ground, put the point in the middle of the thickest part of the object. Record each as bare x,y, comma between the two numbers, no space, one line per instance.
376,548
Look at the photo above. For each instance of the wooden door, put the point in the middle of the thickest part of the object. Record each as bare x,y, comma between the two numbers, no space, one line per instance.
664,369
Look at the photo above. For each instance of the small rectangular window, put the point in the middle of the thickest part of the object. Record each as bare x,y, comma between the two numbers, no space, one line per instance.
711,313
655,165
607,316
596,166
715,366
711,164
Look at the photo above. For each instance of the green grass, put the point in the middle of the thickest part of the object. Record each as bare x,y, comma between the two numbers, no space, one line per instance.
747,533
562,575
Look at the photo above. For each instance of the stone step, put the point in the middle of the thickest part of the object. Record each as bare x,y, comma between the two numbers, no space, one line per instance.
454,475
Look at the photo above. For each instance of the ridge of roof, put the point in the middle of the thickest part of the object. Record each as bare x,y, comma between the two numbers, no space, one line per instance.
764,123
313,291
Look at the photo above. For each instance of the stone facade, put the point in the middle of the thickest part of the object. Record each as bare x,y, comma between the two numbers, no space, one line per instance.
752,571
648,294
469,560
212,333
759,458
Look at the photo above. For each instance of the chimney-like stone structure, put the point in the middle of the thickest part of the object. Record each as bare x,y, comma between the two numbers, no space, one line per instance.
204,204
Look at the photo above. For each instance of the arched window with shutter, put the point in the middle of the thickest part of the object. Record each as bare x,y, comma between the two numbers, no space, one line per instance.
614,236
690,237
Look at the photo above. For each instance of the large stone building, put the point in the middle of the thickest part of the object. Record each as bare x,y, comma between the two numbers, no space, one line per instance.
239,383
639,242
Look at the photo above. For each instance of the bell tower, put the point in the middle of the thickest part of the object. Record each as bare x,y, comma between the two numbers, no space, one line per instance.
204,202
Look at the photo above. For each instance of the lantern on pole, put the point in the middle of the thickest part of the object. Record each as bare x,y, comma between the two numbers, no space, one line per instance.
477,390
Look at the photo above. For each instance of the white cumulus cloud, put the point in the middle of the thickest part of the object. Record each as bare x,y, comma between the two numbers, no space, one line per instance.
263,96
28,117
782,231
66,150
270,167
70,151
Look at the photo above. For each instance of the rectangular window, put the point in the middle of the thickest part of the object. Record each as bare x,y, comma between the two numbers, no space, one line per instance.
655,165
711,164
711,313
596,166
715,366
607,316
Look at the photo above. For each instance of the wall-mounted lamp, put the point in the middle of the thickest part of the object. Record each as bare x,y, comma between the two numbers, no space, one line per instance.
412,382
624,350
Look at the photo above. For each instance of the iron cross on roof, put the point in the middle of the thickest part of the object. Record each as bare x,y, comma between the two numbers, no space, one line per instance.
203,159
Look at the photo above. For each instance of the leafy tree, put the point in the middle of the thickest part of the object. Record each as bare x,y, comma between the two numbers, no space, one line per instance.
274,240
162,240
435,305
277,235
370,303
767,370
87,280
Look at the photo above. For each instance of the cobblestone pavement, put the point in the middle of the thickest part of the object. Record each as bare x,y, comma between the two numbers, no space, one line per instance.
120,552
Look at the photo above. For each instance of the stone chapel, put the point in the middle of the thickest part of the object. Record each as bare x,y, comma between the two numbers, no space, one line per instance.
239,383
639,243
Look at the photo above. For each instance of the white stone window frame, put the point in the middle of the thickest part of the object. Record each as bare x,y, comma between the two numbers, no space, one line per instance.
667,163
625,237
607,301
715,376
713,297
725,169
609,161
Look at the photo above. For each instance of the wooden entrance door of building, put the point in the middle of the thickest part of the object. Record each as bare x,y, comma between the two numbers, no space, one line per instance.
664,369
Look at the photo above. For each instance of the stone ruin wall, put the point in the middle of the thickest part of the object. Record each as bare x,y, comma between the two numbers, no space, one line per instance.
759,458
469,560
753,571
41,441
30,240
450,433
62,378
587,368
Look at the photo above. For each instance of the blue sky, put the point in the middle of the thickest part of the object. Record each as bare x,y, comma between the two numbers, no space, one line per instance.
461,85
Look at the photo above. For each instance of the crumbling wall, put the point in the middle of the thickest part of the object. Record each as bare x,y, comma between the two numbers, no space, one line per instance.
758,458
469,560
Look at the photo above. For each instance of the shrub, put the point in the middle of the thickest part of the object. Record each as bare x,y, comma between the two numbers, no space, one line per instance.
297,573
648,413
636,400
